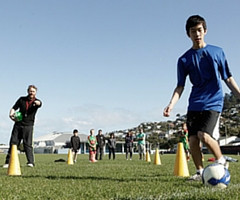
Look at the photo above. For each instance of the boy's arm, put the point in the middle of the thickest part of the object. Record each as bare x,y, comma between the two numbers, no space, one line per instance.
175,97
232,85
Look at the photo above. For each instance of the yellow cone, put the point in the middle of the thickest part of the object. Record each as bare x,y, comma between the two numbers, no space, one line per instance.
181,167
148,158
70,157
14,164
157,160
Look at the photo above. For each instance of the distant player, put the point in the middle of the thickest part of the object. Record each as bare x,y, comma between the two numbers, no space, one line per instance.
141,144
100,145
205,65
184,140
75,144
129,144
92,142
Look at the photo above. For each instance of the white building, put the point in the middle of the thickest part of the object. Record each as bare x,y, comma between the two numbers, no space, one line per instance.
54,142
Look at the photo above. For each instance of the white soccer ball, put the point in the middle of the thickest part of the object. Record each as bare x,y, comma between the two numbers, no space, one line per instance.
216,175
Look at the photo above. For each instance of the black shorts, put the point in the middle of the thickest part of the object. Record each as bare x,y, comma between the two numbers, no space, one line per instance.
206,121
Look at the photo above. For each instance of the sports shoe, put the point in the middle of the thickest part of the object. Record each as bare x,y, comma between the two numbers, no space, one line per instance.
5,165
230,159
226,165
195,177
30,165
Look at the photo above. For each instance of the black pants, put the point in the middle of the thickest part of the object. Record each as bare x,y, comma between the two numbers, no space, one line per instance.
128,150
111,151
99,153
24,133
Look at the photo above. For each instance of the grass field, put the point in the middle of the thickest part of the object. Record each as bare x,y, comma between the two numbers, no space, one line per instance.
108,179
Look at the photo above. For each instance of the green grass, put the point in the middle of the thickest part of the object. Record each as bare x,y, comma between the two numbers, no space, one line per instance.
108,179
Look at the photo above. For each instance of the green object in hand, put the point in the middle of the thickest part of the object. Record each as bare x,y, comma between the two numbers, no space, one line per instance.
18,116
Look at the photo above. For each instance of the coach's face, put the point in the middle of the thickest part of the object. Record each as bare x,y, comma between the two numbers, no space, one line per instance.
32,93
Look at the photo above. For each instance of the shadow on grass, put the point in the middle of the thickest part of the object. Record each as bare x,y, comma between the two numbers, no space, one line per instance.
96,178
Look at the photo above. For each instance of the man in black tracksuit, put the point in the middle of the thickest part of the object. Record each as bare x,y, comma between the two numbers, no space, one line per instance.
100,145
23,129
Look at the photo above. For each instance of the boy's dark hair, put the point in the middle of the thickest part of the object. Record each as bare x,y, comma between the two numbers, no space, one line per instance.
112,134
194,20
75,131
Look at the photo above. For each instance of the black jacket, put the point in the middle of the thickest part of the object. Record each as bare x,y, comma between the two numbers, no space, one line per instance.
100,141
112,143
28,112
75,142
129,141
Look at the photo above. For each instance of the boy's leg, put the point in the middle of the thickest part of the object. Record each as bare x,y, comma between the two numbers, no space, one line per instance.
109,155
211,144
97,152
101,153
196,151
130,152
75,156
143,151
113,153
139,152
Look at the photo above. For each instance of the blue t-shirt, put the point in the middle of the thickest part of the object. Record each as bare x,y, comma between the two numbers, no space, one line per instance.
205,67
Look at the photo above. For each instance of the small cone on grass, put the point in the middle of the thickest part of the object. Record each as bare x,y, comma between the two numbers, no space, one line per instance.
181,167
157,160
148,158
70,157
14,164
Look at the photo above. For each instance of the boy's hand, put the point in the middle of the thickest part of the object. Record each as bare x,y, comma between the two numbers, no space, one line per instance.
166,112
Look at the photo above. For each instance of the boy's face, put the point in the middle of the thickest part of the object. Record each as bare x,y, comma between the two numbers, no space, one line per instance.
197,34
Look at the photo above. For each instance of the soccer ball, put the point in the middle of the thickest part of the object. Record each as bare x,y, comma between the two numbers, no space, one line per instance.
18,116
216,175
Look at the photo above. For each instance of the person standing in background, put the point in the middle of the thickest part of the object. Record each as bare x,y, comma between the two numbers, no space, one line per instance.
75,144
100,145
184,140
112,146
129,145
92,142
141,144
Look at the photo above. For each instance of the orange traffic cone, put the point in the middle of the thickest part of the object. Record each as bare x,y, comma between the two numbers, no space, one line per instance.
14,164
181,167
70,157
148,158
157,160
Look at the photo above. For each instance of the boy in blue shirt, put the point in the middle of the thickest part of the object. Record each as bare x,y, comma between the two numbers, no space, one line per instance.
205,65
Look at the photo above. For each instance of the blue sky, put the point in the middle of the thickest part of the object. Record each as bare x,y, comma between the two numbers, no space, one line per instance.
103,64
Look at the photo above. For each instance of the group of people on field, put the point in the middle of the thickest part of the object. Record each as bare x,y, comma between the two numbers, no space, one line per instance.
205,65
97,143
